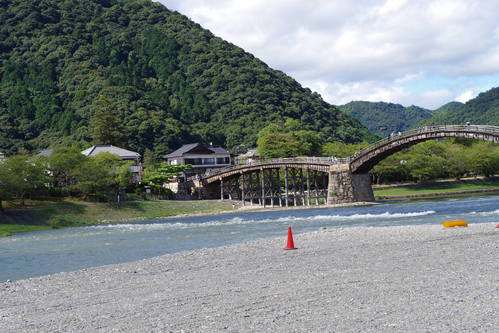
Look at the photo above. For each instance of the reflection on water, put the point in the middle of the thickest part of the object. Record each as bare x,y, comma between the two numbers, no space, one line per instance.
45,252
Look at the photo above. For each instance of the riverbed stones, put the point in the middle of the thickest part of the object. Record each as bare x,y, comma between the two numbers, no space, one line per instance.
384,279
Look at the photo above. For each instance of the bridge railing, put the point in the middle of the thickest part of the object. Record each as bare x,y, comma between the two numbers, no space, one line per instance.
424,130
291,160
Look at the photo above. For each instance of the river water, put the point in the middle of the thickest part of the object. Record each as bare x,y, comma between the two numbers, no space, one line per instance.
44,252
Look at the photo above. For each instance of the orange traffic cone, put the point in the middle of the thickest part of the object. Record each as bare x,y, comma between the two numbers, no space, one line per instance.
291,244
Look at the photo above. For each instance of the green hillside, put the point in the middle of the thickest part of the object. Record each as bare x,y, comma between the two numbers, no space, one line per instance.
481,110
446,109
439,115
383,118
167,80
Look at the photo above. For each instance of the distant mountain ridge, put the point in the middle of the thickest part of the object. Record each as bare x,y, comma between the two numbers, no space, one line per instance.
481,110
171,81
383,118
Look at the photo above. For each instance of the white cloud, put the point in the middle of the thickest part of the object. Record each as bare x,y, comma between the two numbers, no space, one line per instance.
466,96
374,91
407,77
365,48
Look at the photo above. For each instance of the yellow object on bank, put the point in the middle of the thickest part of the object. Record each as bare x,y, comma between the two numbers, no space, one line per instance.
456,223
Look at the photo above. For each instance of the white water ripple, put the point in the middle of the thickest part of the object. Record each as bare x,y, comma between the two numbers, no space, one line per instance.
242,221
491,213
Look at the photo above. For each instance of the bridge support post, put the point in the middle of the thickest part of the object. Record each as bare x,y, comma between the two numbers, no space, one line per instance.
221,189
302,188
286,181
262,171
251,189
242,190
279,189
308,187
271,187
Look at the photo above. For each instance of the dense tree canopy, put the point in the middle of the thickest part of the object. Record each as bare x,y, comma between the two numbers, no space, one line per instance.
66,172
288,139
340,149
450,158
21,175
167,80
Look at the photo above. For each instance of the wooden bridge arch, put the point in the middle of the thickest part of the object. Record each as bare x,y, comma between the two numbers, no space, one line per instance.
282,182
366,159
311,163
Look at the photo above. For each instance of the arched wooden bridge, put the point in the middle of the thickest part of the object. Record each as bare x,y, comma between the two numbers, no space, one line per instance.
316,180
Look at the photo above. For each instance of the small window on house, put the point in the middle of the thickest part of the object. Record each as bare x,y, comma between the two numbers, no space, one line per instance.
194,161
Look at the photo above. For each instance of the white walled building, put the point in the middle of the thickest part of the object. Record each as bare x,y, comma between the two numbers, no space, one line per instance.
200,156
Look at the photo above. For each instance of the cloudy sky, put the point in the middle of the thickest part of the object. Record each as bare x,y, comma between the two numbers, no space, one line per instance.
421,52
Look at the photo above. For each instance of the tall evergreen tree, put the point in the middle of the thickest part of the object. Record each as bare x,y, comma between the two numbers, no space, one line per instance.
107,126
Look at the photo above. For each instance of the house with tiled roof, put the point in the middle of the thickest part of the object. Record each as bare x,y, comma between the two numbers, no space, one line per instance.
124,154
200,156
250,156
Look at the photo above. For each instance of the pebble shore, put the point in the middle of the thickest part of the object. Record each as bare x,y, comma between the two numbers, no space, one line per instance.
383,279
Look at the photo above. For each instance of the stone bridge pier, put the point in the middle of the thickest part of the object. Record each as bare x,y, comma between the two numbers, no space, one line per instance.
345,186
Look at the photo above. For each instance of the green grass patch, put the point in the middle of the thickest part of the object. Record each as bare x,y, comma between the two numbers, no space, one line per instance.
9,229
437,188
69,213
142,210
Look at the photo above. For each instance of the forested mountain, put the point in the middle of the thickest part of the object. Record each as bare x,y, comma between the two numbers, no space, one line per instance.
383,118
438,115
481,110
167,80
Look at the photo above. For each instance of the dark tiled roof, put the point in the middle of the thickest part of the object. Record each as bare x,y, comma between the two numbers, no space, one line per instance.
188,148
182,150
219,150
122,153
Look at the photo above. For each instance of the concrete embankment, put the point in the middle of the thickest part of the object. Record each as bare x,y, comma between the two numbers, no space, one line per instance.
385,279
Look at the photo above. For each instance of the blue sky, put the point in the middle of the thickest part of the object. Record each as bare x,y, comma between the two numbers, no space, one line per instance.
425,52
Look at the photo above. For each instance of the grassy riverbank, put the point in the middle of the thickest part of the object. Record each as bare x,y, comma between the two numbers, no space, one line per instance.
436,189
42,215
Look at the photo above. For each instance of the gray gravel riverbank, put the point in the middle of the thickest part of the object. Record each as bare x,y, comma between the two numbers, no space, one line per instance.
385,279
